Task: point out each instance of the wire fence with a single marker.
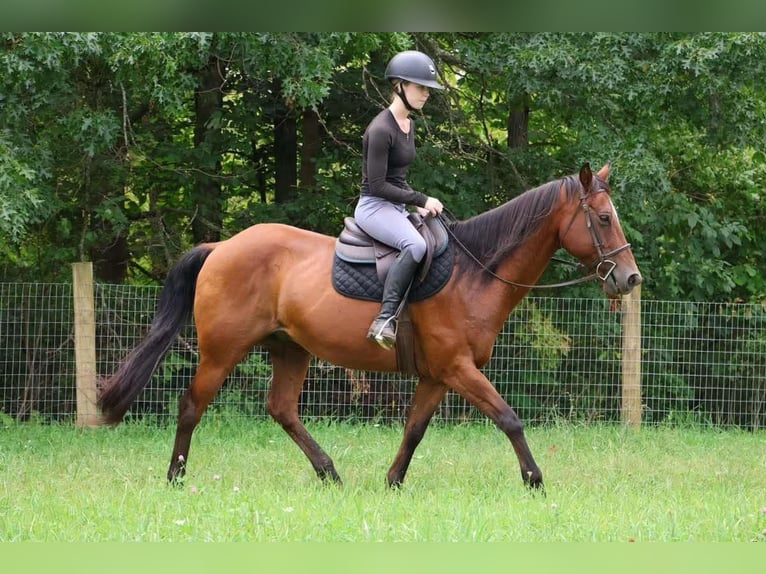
(556, 358)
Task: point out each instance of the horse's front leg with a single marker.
(427, 396)
(472, 385)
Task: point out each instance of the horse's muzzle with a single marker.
(621, 283)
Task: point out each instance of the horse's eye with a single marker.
(604, 218)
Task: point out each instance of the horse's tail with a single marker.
(173, 310)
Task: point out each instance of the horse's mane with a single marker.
(493, 235)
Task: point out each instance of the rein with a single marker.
(603, 258)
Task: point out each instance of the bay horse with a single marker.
(270, 285)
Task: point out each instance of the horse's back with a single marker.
(266, 243)
(278, 234)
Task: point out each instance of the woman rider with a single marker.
(388, 148)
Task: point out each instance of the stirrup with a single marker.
(377, 335)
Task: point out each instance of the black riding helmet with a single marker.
(413, 66)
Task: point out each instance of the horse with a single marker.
(270, 286)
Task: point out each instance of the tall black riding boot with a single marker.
(399, 278)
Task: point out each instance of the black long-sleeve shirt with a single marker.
(386, 154)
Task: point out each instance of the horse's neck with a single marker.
(488, 304)
(528, 261)
(523, 267)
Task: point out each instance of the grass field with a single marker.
(248, 481)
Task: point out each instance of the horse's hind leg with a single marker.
(427, 396)
(205, 384)
(290, 362)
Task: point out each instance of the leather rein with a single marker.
(602, 267)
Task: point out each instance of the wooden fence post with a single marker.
(85, 344)
(631, 358)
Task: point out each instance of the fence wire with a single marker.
(555, 358)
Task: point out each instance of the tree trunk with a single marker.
(111, 254)
(259, 160)
(207, 194)
(110, 261)
(285, 150)
(518, 123)
(312, 138)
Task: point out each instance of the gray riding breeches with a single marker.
(387, 222)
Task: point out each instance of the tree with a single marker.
(681, 116)
(127, 148)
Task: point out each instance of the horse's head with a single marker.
(592, 233)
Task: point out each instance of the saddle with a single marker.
(355, 246)
(361, 263)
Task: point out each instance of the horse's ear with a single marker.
(603, 173)
(586, 177)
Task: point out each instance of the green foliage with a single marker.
(106, 154)
(21, 202)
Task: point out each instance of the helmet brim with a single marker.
(420, 82)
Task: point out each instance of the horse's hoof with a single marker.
(533, 480)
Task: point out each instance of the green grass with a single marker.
(248, 481)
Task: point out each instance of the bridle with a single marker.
(601, 268)
(603, 257)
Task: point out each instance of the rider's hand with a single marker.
(422, 211)
(433, 206)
